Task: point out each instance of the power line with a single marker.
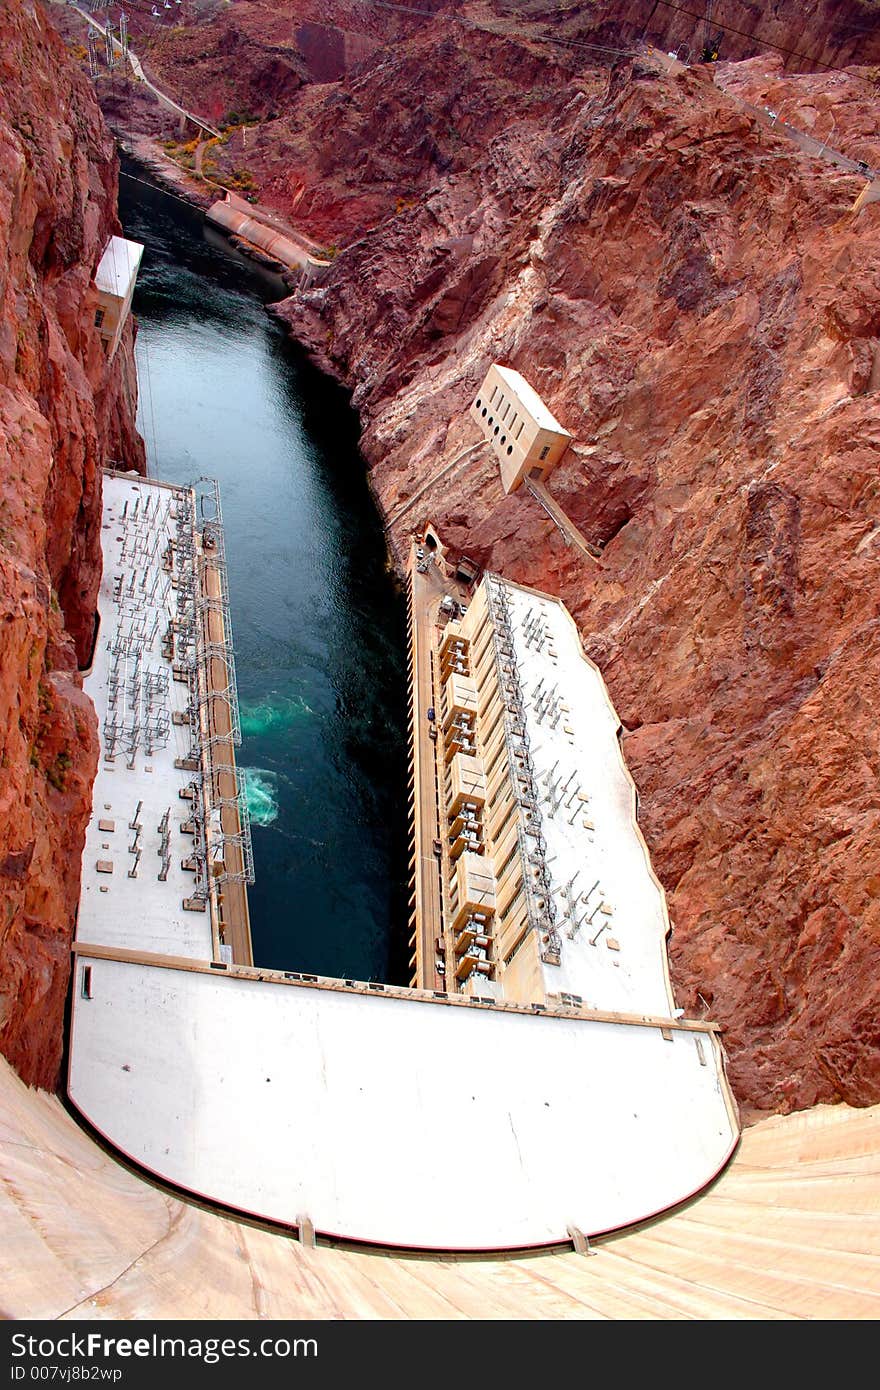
(404, 9)
(542, 37)
(762, 43)
(512, 34)
(708, 18)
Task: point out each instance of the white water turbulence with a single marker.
(261, 793)
(273, 714)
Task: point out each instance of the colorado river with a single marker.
(317, 624)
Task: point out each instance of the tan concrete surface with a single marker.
(236, 918)
(792, 1230)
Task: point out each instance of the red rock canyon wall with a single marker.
(63, 415)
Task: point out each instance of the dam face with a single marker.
(318, 625)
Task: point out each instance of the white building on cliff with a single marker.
(115, 280)
(527, 439)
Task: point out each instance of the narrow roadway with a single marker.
(138, 70)
(808, 143)
(223, 783)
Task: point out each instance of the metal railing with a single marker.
(540, 906)
(201, 550)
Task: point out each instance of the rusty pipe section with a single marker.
(266, 239)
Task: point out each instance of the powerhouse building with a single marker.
(548, 887)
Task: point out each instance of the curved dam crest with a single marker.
(343, 1107)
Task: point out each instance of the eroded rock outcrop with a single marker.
(359, 107)
(64, 414)
(697, 303)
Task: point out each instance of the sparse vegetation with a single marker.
(183, 153)
(56, 775)
(241, 179)
(235, 119)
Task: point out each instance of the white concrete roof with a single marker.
(118, 266)
(394, 1120)
(530, 400)
(143, 913)
(590, 822)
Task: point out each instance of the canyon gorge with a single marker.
(698, 302)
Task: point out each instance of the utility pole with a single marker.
(93, 52)
(108, 36)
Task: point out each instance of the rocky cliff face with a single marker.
(63, 414)
(697, 303)
(359, 108)
(807, 34)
